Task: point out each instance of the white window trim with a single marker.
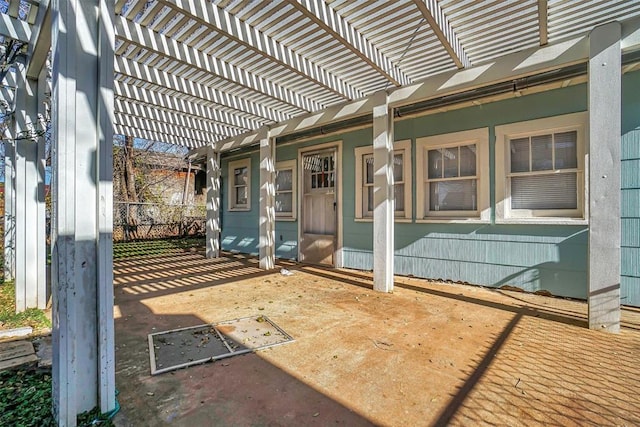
(399, 147)
(289, 164)
(568, 122)
(480, 137)
(231, 186)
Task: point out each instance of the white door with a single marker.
(319, 213)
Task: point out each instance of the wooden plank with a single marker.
(16, 353)
(10, 350)
(12, 363)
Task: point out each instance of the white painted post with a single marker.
(83, 344)
(605, 83)
(30, 280)
(213, 203)
(41, 256)
(9, 209)
(267, 201)
(9, 185)
(383, 198)
(104, 139)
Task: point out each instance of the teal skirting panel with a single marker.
(630, 294)
(630, 180)
(549, 258)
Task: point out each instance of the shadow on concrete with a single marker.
(242, 390)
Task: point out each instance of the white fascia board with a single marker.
(185, 54)
(333, 114)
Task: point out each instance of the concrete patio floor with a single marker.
(428, 354)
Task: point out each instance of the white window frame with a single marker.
(479, 137)
(237, 164)
(291, 165)
(399, 147)
(504, 134)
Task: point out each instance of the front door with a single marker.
(319, 214)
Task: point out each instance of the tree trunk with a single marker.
(130, 194)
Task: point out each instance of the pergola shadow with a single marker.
(533, 352)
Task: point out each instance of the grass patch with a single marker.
(9, 319)
(155, 247)
(25, 401)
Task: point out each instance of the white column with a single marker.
(30, 280)
(604, 177)
(83, 344)
(9, 208)
(383, 209)
(213, 203)
(44, 288)
(267, 201)
(7, 93)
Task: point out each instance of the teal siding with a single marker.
(240, 229)
(533, 257)
(630, 211)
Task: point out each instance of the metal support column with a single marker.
(267, 201)
(213, 203)
(383, 198)
(82, 282)
(605, 85)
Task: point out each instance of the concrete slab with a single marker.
(428, 354)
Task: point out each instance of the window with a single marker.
(540, 168)
(285, 204)
(452, 183)
(401, 180)
(240, 185)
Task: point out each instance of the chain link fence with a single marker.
(140, 221)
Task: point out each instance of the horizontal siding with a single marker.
(532, 257)
(630, 204)
(630, 291)
(630, 174)
(287, 239)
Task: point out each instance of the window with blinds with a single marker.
(540, 169)
(544, 171)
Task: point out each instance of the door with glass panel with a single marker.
(318, 216)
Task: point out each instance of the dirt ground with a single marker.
(427, 354)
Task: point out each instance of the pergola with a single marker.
(221, 75)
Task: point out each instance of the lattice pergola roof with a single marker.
(193, 72)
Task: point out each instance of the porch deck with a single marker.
(428, 354)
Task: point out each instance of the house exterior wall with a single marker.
(630, 215)
(534, 257)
